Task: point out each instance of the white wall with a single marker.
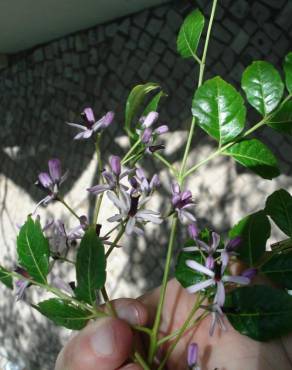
(26, 23)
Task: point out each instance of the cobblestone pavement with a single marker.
(44, 87)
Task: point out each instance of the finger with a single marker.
(130, 310)
(131, 367)
(104, 344)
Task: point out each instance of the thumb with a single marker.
(106, 343)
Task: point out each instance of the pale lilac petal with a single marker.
(115, 218)
(98, 189)
(21, 286)
(161, 130)
(145, 186)
(187, 216)
(186, 195)
(155, 182)
(204, 246)
(250, 273)
(115, 163)
(89, 115)
(192, 354)
(150, 119)
(148, 212)
(83, 135)
(45, 179)
(126, 201)
(60, 284)
(149, 217)
(190, 249)
(210, 262)
(140, 174)
(224, 260)
(80, 127)
(108, 119)
(146, 136)
(193, 231)
(130, 225)
(116, 201)
(55, 169)
(220, 294)
(242, 280)
(233, 244)
(175, 188)
(199, 286)
(109, 177)
(138, 231)
(198, 267)
(215, 241)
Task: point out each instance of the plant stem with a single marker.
(203, 61)
(140, 360)
(153, 338)
(115, 242)
(165, 162)
(99, 166)
(181, 331)
(200, 81)
(131, 150)
(107, 302)
(187, 149)
(68, 207)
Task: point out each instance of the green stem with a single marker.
(154, 334)
(140, 360)
(203, 61)
(131, 150)
(68, 207)
(115, 242)
(187, 149)
(107, 302)
(181, 331)
(112, 229)
(165, 162)
(99, 166)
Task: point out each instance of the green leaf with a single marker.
(219, 109)
(33, 250)
(134, 102)
(90, 267)
(63, 313)
(6, 278)
(254, 155)
(190, 34)
(263, 86)
(279, 208)
(288, 71)
(255, 230)
(279, 269)
(184, 274)
(260, 312)
(153, 104)
(282, 120)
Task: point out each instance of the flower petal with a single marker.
(220, 294)
(242, 280)
(199, 286)
(98, 189)
(190, 249)
(163, 129)
(45, 179)
(130, 225)
(89, 115)
(150, 119)
(198, 267)
(55, 169)
(80, 127)
(115, 218)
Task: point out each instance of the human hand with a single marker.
(107, 344)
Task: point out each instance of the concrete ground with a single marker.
(44, 87)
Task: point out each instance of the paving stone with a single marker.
(38, 55)
(240, 42)
(81, 43)
(260, 12)
(284, 18)
(239, 8)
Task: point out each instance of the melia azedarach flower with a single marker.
(90, 126)
(50, 181)
(217, 277)
(132, 212)
(182, 201)
(141, 184)
(112, 177)
(148, 135)
(192, 360)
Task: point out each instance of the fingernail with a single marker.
(103, 340)
(129, 313)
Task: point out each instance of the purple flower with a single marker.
(131, 211)
(250, 273)
(233, 244)
(50, 181)
(193, 356)
(216, 278)
(148, 135)
(112, 178)
(141, 184)
(60, 240)
(182, 201)
(217, 317)
(193, 231)
(21, 284)
(91, 126)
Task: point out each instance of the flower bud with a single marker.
(115, 163)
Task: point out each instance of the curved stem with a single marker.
(153, 338)
(99, 166)
(186, 153)
(115, 242)
(69, 208)
(131, 150)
